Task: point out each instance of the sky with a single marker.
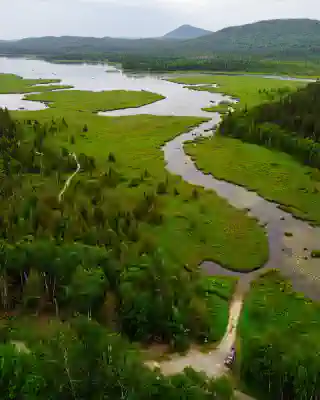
(139, 18)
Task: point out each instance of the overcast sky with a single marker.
(139, 18)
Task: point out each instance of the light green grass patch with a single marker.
(315, 254)
(273, 175)
(250, 90)
(10, 83)
(49, 88)
(221, 286)
(221, 108)
(77, 100)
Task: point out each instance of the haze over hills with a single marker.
(291, 36)
(187, 32)
(296, 38)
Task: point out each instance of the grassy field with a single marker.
(221, 286)
(195, 227)
(275, 176)
(221, 108)
(77, 100)
(273, 313)
(250, 90)
(10, 83)
(271, 304)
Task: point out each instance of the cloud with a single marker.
(139, 18)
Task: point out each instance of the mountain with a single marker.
(283, 38)
(186, 32)
(290, 37)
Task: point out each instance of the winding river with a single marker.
(289, 254)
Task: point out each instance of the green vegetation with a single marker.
(15, 84)
(315, 254)
(221, 108)
(286, 182)
(268, 361)
(250, 90)
(82, 360)
(77, 100)
(88, 253)
(71, 278)
(221, 63)
(291, 125)
(190, 229)
(99, 246)
(221, 286)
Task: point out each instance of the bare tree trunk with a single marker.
(4, 292)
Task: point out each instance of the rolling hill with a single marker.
(287, 38)
(186, 32)
(293, 37)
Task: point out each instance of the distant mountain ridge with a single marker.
(187, 32)
(289, 38)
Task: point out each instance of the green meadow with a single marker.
(274, 175)
(10, 84)
(278, 348)
(249, 90)
(86, 101)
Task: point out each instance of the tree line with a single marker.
(291, 124)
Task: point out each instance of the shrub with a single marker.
(176, 192)
(162, 188)
(195, 194)
(111, 158)
(315, 254)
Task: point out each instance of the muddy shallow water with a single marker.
(290, 254)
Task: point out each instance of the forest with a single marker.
(84, 286)
(290, 124)
(82, 360)
(219, 63)
(51, 246)
(63, 255)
